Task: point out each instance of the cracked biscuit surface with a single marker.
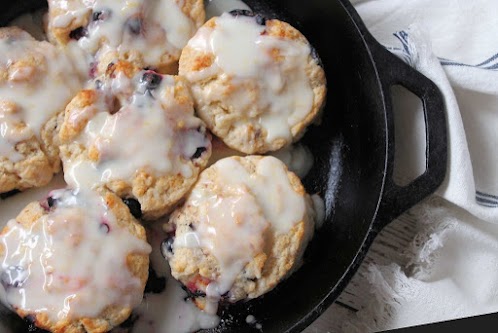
(256, 83)
(148, 33)
(36, 83)
(242, 230)
(136, 135)
(74, 262)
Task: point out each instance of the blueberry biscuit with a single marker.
(148, 33)
(135, 134)
(256, 83)
(242, 229)
(36, 83)
(77, 261)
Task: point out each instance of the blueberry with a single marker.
(242, 12)
(6, 195)
(13, 276)
(167, 246)
(155, 284)
(98, 84)
(260, 19)
(134, 25)
(48, 203)
(134, 207)
(92, 71)
(151, 80)
(101, 15)
(193, 294)
(30, 319)
(78, 33)
(198, 152)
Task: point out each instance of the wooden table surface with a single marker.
(387, 248)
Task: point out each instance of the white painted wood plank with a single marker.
(388, 247)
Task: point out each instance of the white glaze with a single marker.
(36, 94)
(319, 208)
(297, 157)
(166, 28)
(167, 128)
(270, 185)
(178, 27)
(235, 210)
(168, 311)
(165, 312)
(231, 227)
(251, 320)
(243, 56)
(217, 7)
(73, 268)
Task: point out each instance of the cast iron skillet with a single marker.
(354, 157)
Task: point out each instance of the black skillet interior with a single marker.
(353, 151)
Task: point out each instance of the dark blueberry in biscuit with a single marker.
(98, 84)
(134, 25)
(6, 195)
(260, 19)
(134, 207)
(101, 15)
(198, 152)
(151, 80)
(155, 284)
(13, 276)
(242, 12)
(193, 294)
(78, 33)
(92, 71)
(167, 246)
(48, 203)
(31, 321)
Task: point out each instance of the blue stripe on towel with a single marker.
(489, 64)
(482, 194)
(486, 200)
(485, 62)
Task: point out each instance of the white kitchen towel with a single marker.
(453, 269)
(453, 42)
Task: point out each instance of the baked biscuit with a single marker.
(148, 33)
(256, 83)
(36, 83)
(297, 157)
(135, 134)
(77, 261)
(242, 229)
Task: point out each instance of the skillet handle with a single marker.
(397, 199)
